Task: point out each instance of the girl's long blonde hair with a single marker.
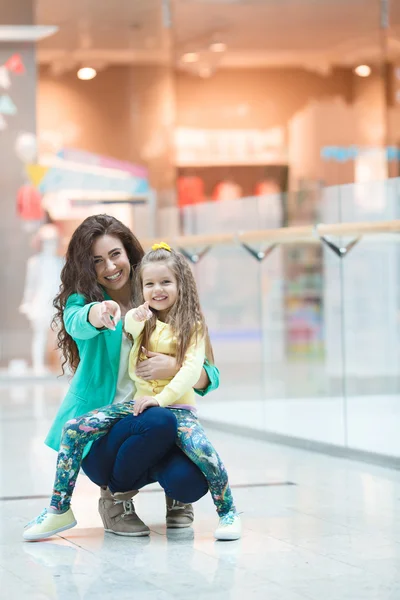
(185, 317)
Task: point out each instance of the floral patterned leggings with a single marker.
(191, 438)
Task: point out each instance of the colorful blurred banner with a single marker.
(62, 179)
(68, 175)
(87, 158)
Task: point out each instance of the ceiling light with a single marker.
(218, 47)
(190, 57)
(363, 70)
(86, 73)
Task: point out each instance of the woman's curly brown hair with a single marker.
(185, 317)
(79, 275)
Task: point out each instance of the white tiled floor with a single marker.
(335, 535)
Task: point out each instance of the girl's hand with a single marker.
(142, 313)
(110, 314)
(142, 403)
(158, 366)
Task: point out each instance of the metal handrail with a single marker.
(283, 235)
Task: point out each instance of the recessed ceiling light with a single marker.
(218, 47)
(86, 73)
(363, 70)
(190, 57)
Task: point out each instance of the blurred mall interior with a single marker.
(260, 138)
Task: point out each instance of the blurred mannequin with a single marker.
(227, 190)
(41, 286)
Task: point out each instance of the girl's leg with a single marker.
(192, 439)
(76, 434)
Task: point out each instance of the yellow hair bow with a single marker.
(161, 246)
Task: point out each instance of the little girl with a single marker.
(168, 320)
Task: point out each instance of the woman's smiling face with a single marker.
(111, 262)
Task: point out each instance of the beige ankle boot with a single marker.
(178, 514)
(118, 514)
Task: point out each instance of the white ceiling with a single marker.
(315, 34)
(103, 31)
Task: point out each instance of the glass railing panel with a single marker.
(371, 326)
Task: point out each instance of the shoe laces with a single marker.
(175, 505)
(38, 519)
(228, 519)
(128, 507)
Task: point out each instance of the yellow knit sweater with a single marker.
(179, 389)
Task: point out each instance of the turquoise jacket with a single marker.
(95, 381)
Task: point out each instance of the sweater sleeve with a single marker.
(187, 376)
(76, 318)
(213, 375)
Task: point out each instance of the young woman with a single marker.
(99, 267)
(169, 318)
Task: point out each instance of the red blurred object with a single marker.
(29, 204)
(266, 187)
(190, 190)
(15, 64)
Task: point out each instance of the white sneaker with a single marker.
(48, 524)
(229, 527)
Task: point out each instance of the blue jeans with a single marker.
(142, 450)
